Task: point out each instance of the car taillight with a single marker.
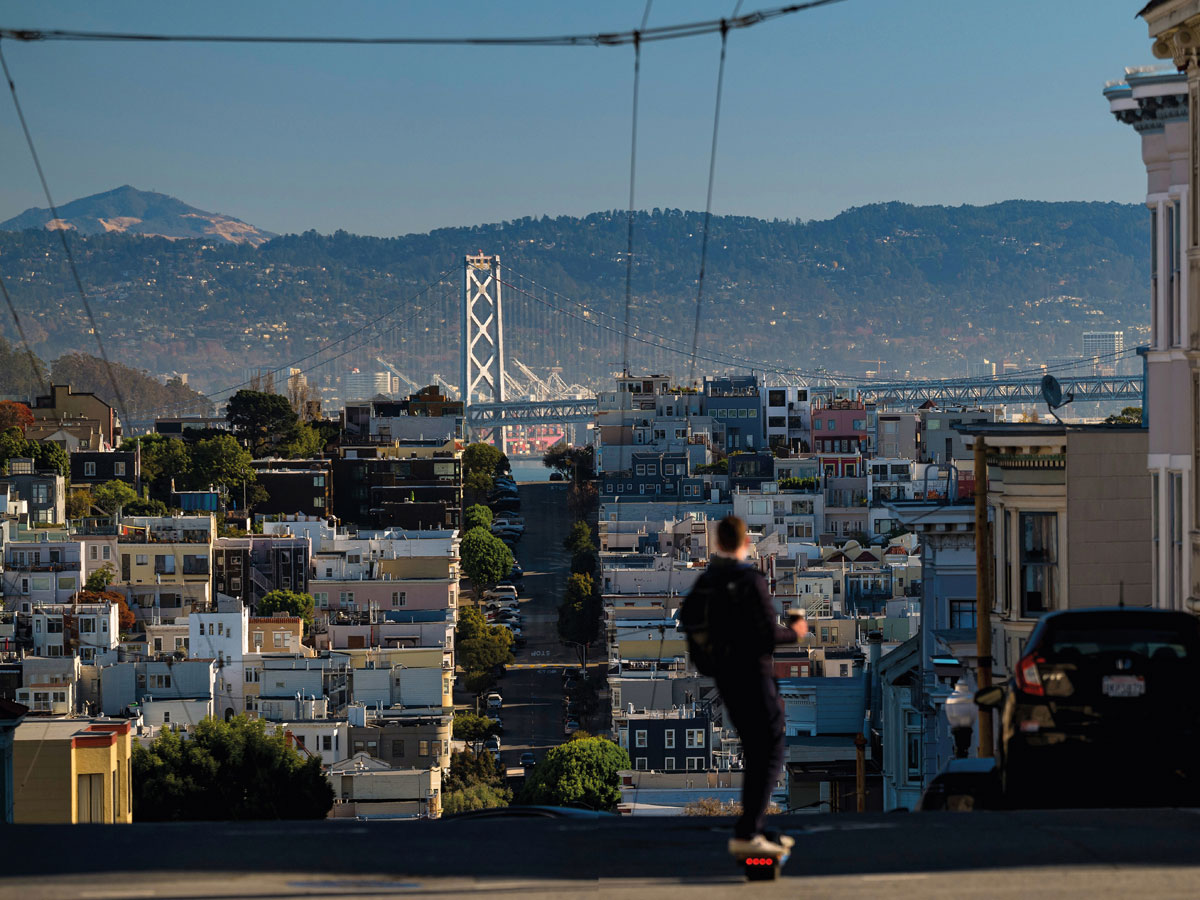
(1029, 680)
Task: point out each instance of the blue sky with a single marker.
(925, 101)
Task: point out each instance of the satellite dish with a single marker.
(1053, 395)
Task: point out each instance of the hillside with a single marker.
(128, 210)
(888, 287)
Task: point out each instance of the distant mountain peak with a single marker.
(127, 209)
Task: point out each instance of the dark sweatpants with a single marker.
(753, 704)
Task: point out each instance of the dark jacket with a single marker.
(751, 623)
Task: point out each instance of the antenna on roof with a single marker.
(1053, 395)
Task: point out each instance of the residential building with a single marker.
(368, 788)
(294, 486)
(92, 467)
(90, 631)
(406, 486)
(667, 740)
(166, 564)
(788, 418)
(842, 426)
(43, 490)
(41, 572)
(74, 420)
(939, 440)
(402, 741)
(1162, 110)
(428, 415)
(734, 402)
(896, 434)
(75, 771)
(252, 566)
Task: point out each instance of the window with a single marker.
(816, 424)
(327, 743)
(278, 636)
(54, 626)
(640, 469)
(694, 763)
(160, 681)
(695, 737)
(397, 748)
(119, 468)
(1175, 486)
(669, 738)
(95, 551)
(164, 564)
(89, 469)
(640, 763)
(669, 764)
(912, 746)
(87, 626)
(639, 738)
(422, 748)
(399, 598)
(1039, 562)
(141, 559)
(830, 424)
(668, 468)
(106, 552)
(41, 494)
(252, 676)
(962, 613)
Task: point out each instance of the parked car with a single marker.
(528, 760)
(500, 592)
(557, 476)
(571, 726)
(1099, 711)
(495, 719)
(490, 609)
(493, 744)
(494, 700)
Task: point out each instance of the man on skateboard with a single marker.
(741, 633)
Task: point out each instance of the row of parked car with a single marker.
(505, 503)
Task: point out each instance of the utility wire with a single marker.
(600, 39)
(637, 77)
(34, 368)
(62, 233)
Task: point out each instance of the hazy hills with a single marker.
(888, 287)
(126, 209)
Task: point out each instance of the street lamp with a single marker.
(960, 713)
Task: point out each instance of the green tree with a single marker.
(578, 773)
(293, 603)
(79, 503)
(579, 613)
(575, 463)
(579, 538)
(472, 728)
(304, 442)
(481, 463)
(113, 496)
(477, 516)
(101, 578)
(163, 459)
(480, 647)
(142, 507)
(477, 796)
(485, 559)
(221, 461)
(1130, 415)
(474, 781)
(267, 421)
(50, 457)
(227, 771)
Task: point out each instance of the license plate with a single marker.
(1123, 685)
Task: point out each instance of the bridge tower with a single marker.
(482, 375)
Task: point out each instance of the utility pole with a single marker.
(860, 773)
(983, 595)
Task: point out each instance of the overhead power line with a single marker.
(599, 39)
(62, 233)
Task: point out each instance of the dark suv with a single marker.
(1103, 710)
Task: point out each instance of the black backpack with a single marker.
(708, 619)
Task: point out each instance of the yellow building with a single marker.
(166, 562)
(69, 771)
(277, 634)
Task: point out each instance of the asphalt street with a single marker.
(1099, 854)
(532, 712)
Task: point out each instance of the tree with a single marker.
(472, 728)
(578, 773)
(293, 603)
(101, 578)
(163, 459)
(304, 442)
(50, 457)
(140, 507)
(227, 771)
(579, 538)
(485, 559)
(474, 781)
(480, 647)
(579, 613)
(15, 415)
(1130, 415)
(481, 463)
(220, 461)
(577, 463)
(477, 516)
(265, 420)
(79, 503)
(112, 496)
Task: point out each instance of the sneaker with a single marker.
(758, 845)
(786, 841)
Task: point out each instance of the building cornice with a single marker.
(1179, 43)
